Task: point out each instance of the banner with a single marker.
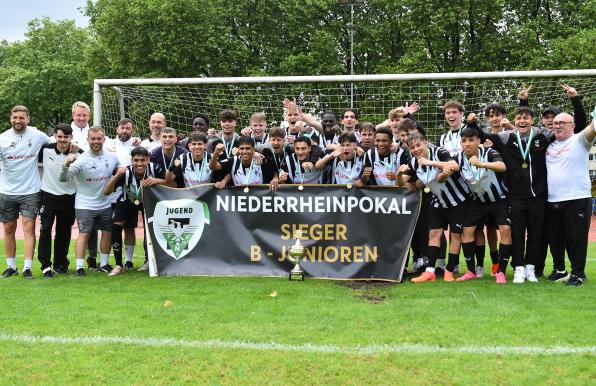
(348, 233)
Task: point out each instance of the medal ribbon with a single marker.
(202, 167)
(524, 152)
(137, 188)
(429, 168)
(298, 171)
(247, 180)
(227, 147)
(450, 136)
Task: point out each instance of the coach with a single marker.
(568, 211)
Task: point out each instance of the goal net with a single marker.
(371, 95)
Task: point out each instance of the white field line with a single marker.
(301, 348)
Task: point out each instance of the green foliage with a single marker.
(209, 38)
(46, 72)
(266, 37)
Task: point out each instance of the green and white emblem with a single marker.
(178, 225)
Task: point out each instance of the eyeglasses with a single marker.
(561, 123)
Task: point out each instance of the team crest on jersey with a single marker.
(178, 225)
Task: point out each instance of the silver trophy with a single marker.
(295, 254)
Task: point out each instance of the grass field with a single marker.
(116, 330)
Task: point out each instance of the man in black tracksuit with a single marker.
(57, 204)
(548, 115)
(523, 151)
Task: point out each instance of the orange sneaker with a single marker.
(448, 276)
(495, 269)
(425, 276)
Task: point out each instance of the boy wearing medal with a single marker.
(141, 174)
(347, 165)
(243, 169)
(439, 172)
(380, 162)
(298, 167)
(192, 167)
(523, 151)
(168, 152)
(482, 169)
(451, 140)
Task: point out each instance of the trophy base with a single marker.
(296, 276)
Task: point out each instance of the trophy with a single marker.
(295, 254)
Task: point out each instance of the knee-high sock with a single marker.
(117, 243)
(469, 250)
(504, 254)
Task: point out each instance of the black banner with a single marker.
(348, 233)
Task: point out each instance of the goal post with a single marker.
(180, 99)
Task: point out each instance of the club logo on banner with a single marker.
(179, 225)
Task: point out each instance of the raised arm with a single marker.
(579, 114)
(329, 157)
(111, 185)
(590, 130)
(214, 163)
(68, 172)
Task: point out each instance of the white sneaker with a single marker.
(519, 276)
(479, 271)
(117, 270)
(530, 274)
(145, 267)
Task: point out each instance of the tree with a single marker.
(46, 72)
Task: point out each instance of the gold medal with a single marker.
(427, 190)
(349, 186)
(246, 190)
(300, 187)
(525, 165)
(137, 202)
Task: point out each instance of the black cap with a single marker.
(551, 109)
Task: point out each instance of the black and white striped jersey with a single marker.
(131, 184)
(248, 175)
(382, 165)
(261, 141)
(447, 194)
(298, 175)
(485, 185)
(347, 172)
(195, 173)
(451, 141)
(328, 141)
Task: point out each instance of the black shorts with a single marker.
(491, 222)
(489, 213)
(127, 212)
(440, 218)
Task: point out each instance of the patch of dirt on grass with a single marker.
(371, 291)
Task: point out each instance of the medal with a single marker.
(247, 179)
(524, 152)
(349, 186)
(137, 187)
(300, 187)
(426, 189)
